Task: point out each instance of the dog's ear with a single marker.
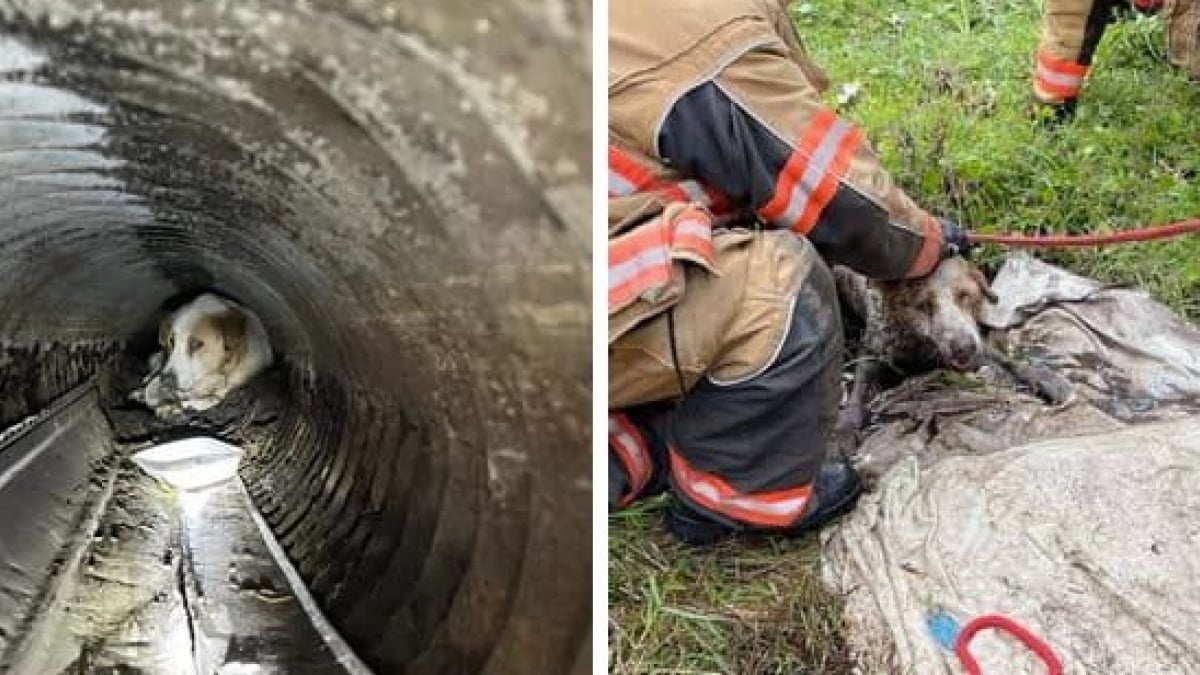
(232, 326)
(984, 286)
(164, 331)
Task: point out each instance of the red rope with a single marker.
(1066, 240)
(963, 643)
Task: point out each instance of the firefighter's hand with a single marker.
(955, 240)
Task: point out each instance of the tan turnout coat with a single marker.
(731, 284)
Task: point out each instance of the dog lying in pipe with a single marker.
(210, 347)
(913, 326)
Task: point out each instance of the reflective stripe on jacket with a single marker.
(714, 103)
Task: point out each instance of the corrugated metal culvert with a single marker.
(400, 191)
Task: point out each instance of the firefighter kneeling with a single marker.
(731, 190)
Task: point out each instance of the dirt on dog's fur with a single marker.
(247, 413)
(910, 327)
(921, 323)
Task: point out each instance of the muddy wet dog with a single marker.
(913, 326)
(210, 347)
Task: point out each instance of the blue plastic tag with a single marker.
(944, 629)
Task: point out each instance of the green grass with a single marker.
(945, 101)
(741, 607)
(945, 88)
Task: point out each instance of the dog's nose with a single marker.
(960, 353)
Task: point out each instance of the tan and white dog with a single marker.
(210, 347)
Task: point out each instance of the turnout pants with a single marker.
(1072, 30)
(1182, 19)
(757, 350)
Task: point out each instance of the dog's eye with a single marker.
(194, 345)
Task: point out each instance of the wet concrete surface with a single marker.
(166, 581)
(55, 471)
(400, 191)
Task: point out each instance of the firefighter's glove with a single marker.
(954, 239)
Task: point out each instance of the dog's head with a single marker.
(943, 309)
(203, 343)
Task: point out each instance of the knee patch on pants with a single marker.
(745, 451)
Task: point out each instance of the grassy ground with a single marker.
(736, 608)
(943, 94)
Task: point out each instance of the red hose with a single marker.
(1066, 240)
(963, 643)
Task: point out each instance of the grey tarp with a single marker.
(1082, 522)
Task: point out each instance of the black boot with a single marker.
(837, 488)
(694, 528)
(1051, 115)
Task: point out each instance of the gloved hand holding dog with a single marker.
(956, 240)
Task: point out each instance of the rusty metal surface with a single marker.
(400, 191)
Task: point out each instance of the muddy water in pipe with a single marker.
(401, 194)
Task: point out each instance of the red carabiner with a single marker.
(963, 643)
